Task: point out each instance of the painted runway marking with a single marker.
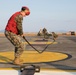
(40, 42)
(42, 72)
(33, 56)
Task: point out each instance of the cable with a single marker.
(35, 48)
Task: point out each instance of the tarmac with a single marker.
(65, 45)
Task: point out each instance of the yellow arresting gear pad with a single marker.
(33, 56)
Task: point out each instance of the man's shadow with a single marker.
(7, 61)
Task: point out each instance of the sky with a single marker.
(54, 15)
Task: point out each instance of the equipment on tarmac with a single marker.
(35, 48)
(29, 70)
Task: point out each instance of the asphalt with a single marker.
(65, 44)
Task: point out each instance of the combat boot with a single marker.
(17, 61)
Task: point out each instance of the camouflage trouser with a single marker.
(16, 41)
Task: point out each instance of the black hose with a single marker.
(30, 44)
(35, 48)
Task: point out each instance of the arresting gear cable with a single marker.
(35, 48)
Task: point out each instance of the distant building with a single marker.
(71, 33)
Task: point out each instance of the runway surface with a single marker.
(65, 46)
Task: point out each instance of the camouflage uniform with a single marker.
(54, 35)
(45, 32)
(15, 39)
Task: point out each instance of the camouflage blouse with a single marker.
(19, 19)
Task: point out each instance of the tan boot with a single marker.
(21, 60)
(17, 61)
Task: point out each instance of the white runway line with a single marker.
(55, 73)
(16, 72)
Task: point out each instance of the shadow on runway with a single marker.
(3, 58)
(61, 67)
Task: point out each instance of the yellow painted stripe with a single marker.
(41, 42)
(9, 68)
(33, 56)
